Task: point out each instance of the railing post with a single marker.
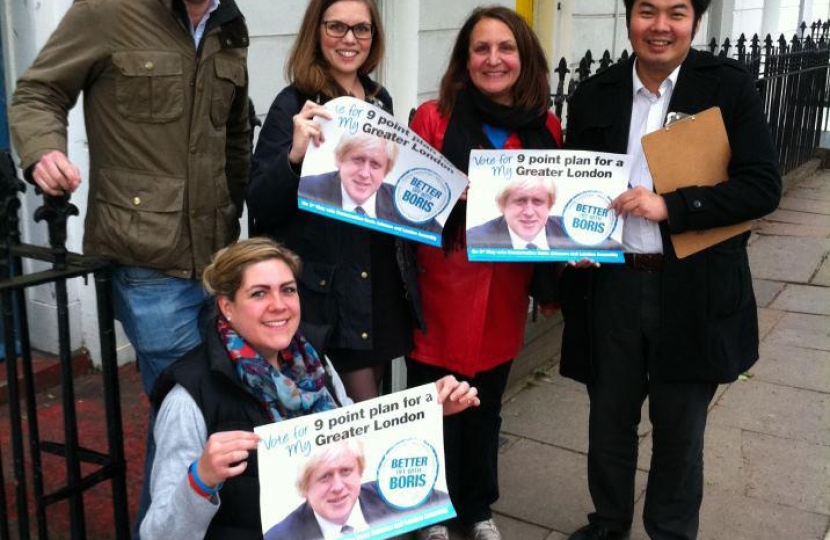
(56, 211)
(10, 186)
(559, 97)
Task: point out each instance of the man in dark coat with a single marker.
(658, 326)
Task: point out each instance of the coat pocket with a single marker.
(729, 280)
(316, 280)
(227, 226)
(149, 86)
(230, 76)
(140, 214)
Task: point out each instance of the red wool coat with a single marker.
(475, 312)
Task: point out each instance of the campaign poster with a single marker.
(368, 471)
(545, 205)
(375, 172)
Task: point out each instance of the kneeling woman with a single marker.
(254, 368)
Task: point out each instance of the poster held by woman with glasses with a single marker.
(494, 95)
(359, 287)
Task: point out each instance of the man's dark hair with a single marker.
(698, 6)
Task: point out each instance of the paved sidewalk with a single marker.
(768, 441)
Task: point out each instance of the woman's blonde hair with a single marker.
(224, 275)
(306, 67)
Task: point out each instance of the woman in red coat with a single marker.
(494, 95)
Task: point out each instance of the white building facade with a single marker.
(420, 34)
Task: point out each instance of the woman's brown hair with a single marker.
(532, 89)
(308, 70)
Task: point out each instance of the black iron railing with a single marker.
(27, 446)
(792, 79)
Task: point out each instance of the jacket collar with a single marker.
(226, 12)
(616, 87)
(696, 84)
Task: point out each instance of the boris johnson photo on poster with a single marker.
(372, 171)
(368, 471)
(545, 205)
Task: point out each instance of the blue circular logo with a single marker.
(407, 473)
(420, 195)
(587, 218)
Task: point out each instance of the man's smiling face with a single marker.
(661, 34)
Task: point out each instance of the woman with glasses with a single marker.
(359, 287)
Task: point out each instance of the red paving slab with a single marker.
(92, 433)
(47, 371)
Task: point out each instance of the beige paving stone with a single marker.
(822, 277)
(783, 215)
(816, 193)
(800, 330)
(551, 414)
(776, 410)
(723, 463)
(514, 529)
(545, 486)
(766, 291)
(819, 179)
(557, 379)
(767, 319)
(725, 515)
(804, 299)
(788, 259)
(793, 366)
(805, 205)
(787, 472)
(801, 321)
(769, 228)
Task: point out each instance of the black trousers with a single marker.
(626, 326)
(471, 440)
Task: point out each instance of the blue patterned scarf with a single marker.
(297, 388)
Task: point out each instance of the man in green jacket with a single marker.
(166, 110)
(165, 104)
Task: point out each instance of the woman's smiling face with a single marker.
(493, 62)
(345, 55)
(265, 311)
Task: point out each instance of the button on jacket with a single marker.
(169, 138)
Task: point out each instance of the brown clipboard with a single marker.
(693, 151)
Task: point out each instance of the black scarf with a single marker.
(465, 132)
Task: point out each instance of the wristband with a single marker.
(199, 486)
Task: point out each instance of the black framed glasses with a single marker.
(338, 29)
